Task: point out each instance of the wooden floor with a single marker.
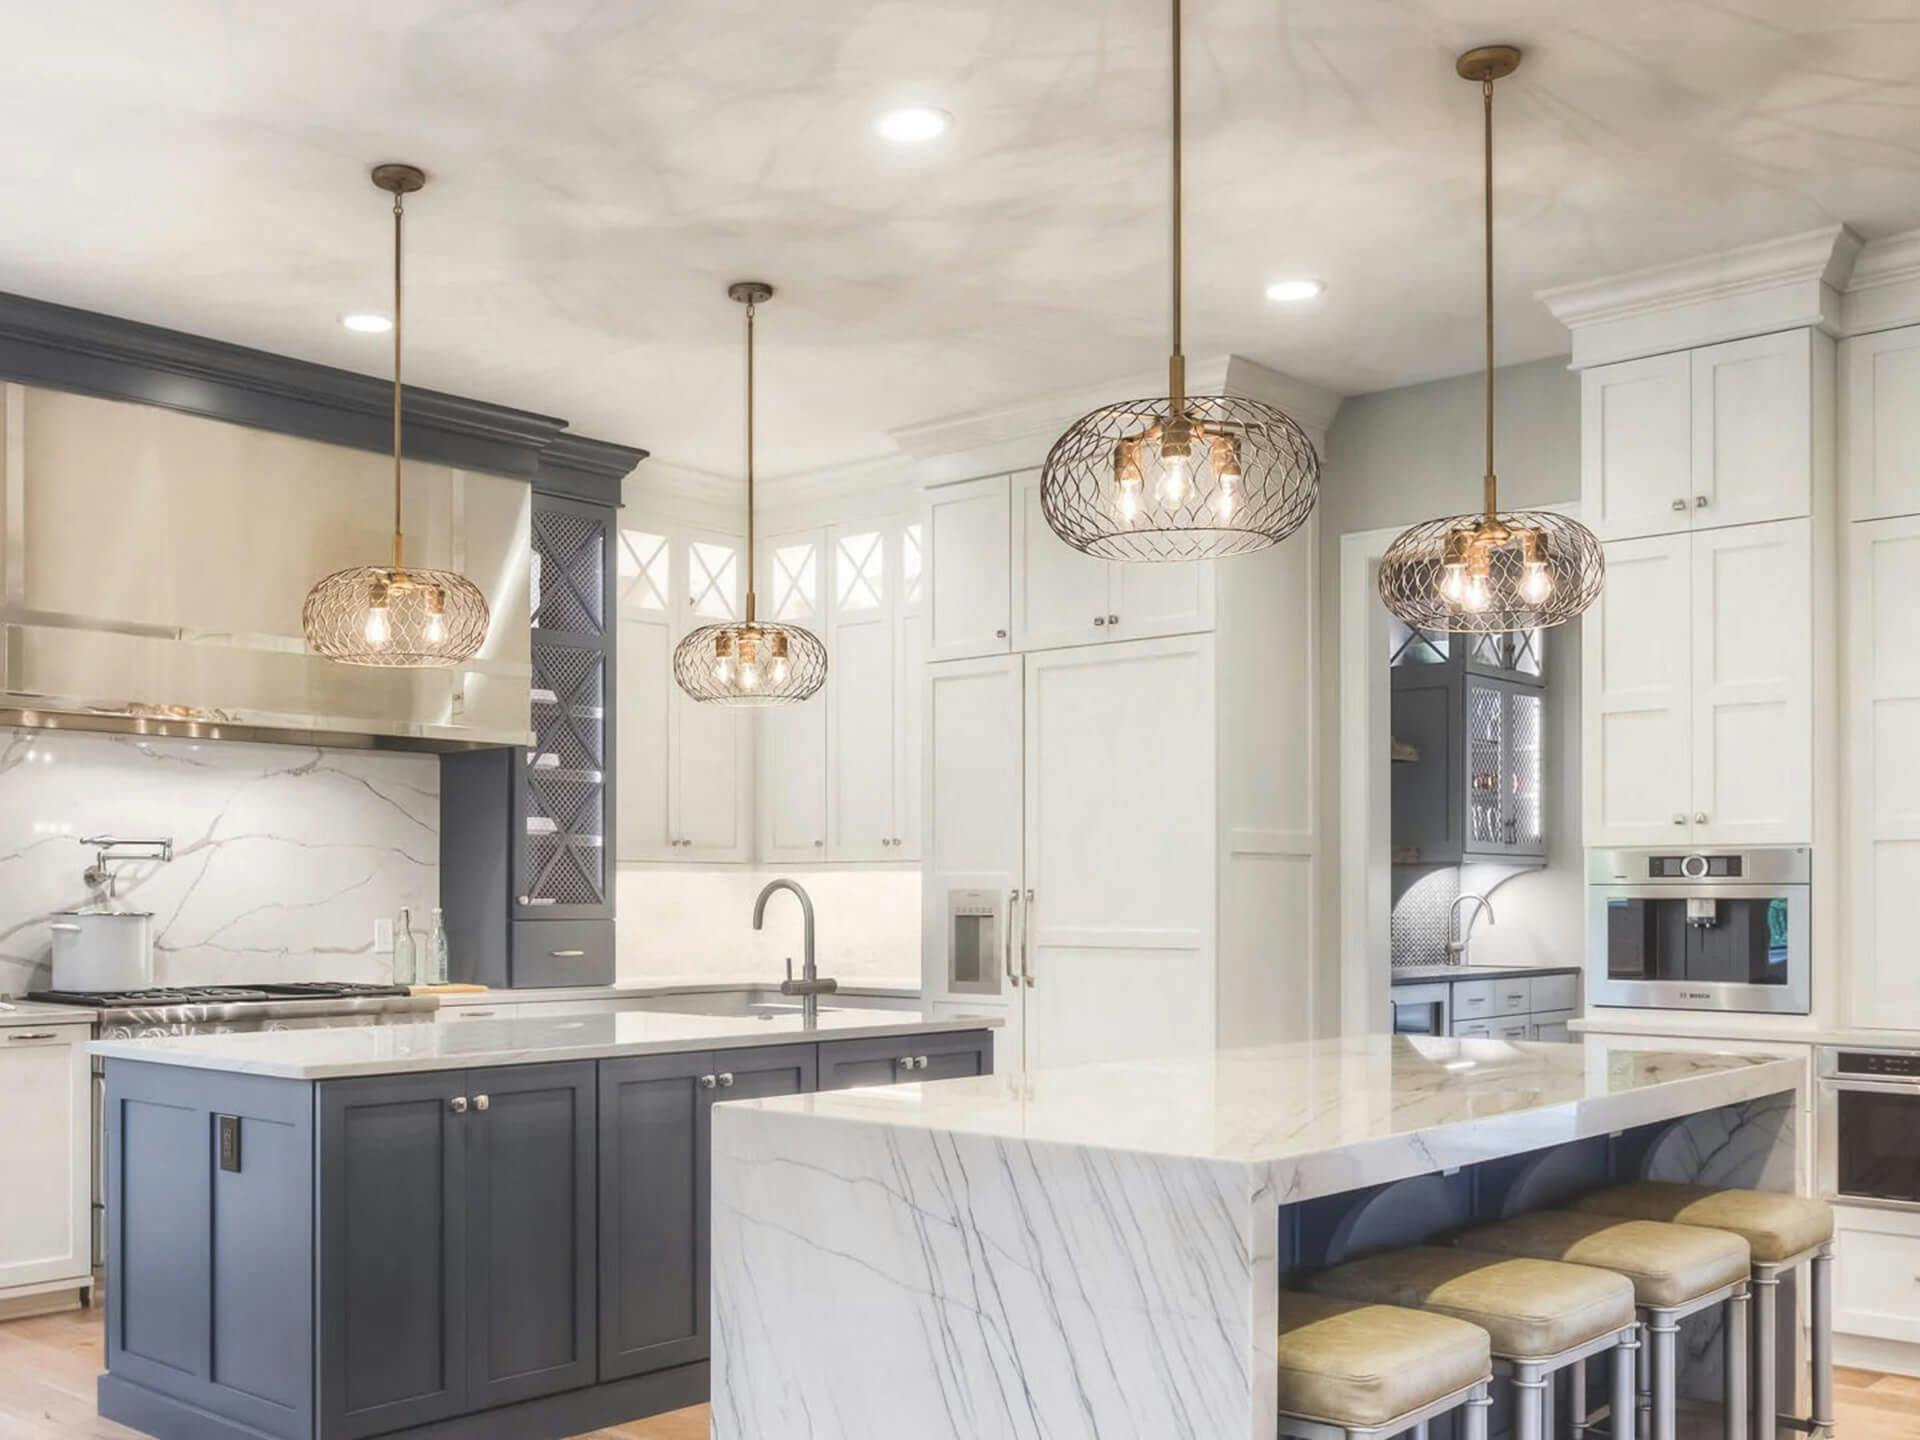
(48, 1364)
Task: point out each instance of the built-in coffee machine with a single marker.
(1675, 929)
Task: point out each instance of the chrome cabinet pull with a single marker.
(922, 1062)
(1026, 936)
(30, 1035)
(566, 954)
(707, 1082)
(726, 1079)
(482, 1102)
(819, 844)
(1013, 911)
(1113, 619)
(905, 1062)
(458, 1104)
(537, 900)
(1100, 620)
(1678, 818)
(1680, 504)
(1700, 502)
(1699, 817)
(999, 634)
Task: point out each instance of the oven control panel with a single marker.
(1694, 867)
(1894, 1065)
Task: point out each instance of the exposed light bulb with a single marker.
(1478, 597)
(1536, 585)
(378, 630)
(723, 669)
(437, 617)
(1128, 503)
(1453, 584)
(1176, 475)
(749, 676)
(782, 670)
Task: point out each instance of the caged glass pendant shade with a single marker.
(750, 662)
(1187, 477)
(393, 616)
(1495, 571)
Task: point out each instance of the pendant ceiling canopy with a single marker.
(1181, 477)
(1495, 570)
(396, 616)
(750, 661)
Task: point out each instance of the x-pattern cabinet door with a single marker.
(862, 681)
(645, 635)
(792, 773)
(712, 784)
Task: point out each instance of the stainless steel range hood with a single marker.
(155, 562)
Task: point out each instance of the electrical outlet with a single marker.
(383, 936)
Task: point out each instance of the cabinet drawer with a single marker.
(1472, 1030)
(1556, 992)
(1513, 1030)
(1473, 1000)
(1877, 1283)
(562, 952)
(1551, 1025)
(1512, 997)
(892, 1059)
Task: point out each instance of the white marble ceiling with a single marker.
(602, 167)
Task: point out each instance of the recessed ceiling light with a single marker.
(367, 323)
(912, 125)
(1292, 292)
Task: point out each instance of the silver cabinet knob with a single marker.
(726, 1080)
(905, 1062)
(1099, 620)
(1113, 619)
(819, 844)
(481, 1102)
(1700, 502)
(1679, 818)
(1699, 817)
(707, 1082)
(999, 634)
(921, 1061)
(458, 1104)
(1680, 504)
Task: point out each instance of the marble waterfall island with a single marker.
(1096, 1251)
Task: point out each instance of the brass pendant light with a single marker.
(751, 661)
(1493, 571)
(394, 616)
(1185, 477)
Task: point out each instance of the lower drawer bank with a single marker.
(518, 1251)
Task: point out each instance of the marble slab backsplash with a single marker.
(283, 856)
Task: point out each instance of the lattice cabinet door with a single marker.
(1523, 781)
(564, 851)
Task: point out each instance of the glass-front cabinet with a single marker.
(1469, 730)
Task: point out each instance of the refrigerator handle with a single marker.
(1026, 941)
(1013, 911)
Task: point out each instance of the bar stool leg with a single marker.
(1420, 1431)
(1736, 1366)
(1665, 1331)
(1822, 1276)
(1478, 1404)
(1529, 1403)
(1577, 1399)
(1643, 1382)
(1624, 1383)
(1766, 1318)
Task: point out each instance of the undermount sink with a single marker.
(766, 1003)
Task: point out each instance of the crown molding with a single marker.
(1775, 285)
(1884, 289)
(1017, 437)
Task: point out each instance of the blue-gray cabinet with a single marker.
(655, 1132)
(896, 1060)
(457, 1245)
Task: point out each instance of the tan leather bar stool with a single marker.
(1540, 1316)
(1783, 1232)
(1676, 1270)
(1363, 1372)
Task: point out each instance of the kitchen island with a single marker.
(495, 1228)
(1097, 1251)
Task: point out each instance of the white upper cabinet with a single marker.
(1753, 685)
(861, 699)
(712, 745)
(1160, 599)
(1698, 439)
(1753, 418)
(1636, 447)
(1883, 865)
(1697, 684)
(646, 634)
(968, 530)
(1060, 597)
(1636, 679)
(1881, 434)
(792, 773)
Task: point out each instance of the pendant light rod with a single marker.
(752, 294)
(399, 181)
(1177, 362)
(1487, 64)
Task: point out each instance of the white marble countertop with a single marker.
(1733, 1030)
(38, 1012)
(890, 987)
(1427, 974)
(1383, 1106)
(333, 1053)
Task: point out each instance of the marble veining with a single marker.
(462, 1044)
(283, 856)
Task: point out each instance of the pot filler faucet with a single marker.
(1457, 948)
(809, 987)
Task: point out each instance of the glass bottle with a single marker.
(437, 950)
(403, 950)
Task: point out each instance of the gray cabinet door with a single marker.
(653, 1212)
(845, 1064)
(531, 1235)
(393, 1254)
